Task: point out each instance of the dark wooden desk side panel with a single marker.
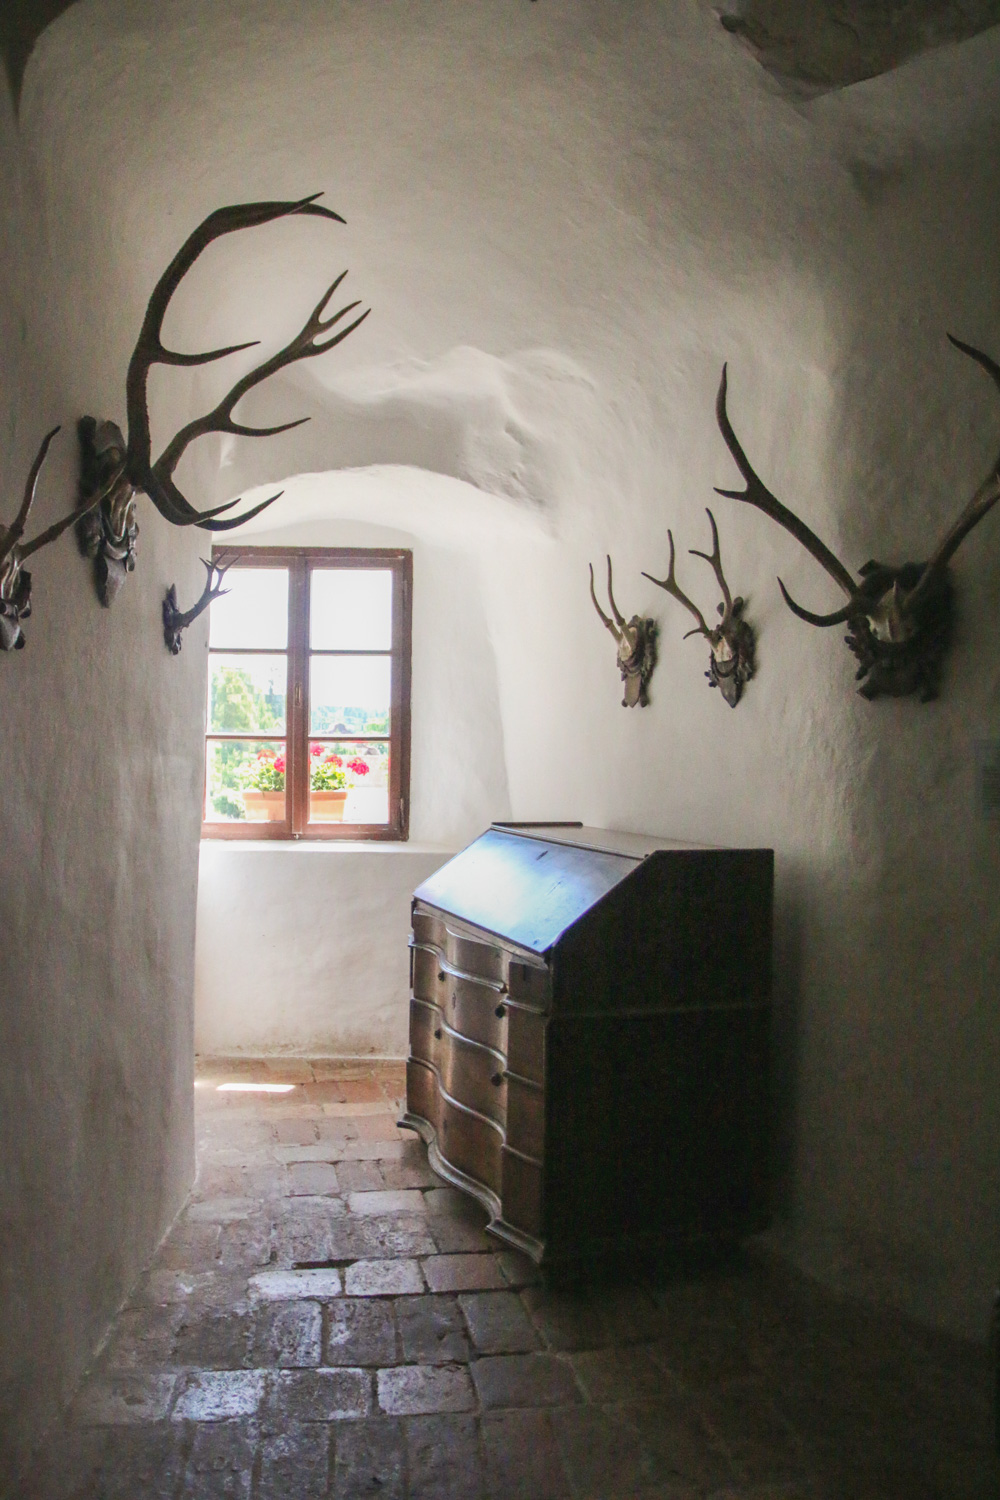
(685, 928)
(656, 1130)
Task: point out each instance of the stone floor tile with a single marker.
(364, 1177)
(292, 1286)
(411, 1202)
(381, 1127)
(190, 1247)
(211, 1338)
(431, 1330)
(408, 1174)
(369, 1459)
(312, 1178)
(319, 1395)
(221, 1462)
(600, 1452)
(123, 1399)
(412, 1390)
(462, 1273)
(220, 1210)
(566, 1320)
(245, 1245)
(620, 1374)
(362, 1090)
(383, 1278)
(381, 1237)
(214, 1395)
(295, 1464)
(518, 1270)
(287, 1070)
(382, 1107)
(676, 1445)
(498, 1323)
(338, 1149)
(142, 1339)
(457, 1236)
(146, 1461)
(522, 1457)
(294, 1132)
(504, 1380)
(288, 1335)
(443, 1459)
(705, 1356)
(360, 1331)
(746, 1423)
(321, 1151)
(218, 1180)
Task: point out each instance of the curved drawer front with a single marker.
(522, 1193)
(485, 960)
(473, 1075)
(471, 1144)
(474, 1007)
(525, 1121)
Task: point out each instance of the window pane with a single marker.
(247, 692)
(254, 612)
(349, 694)
(348, 783)
(245, 781)
(350, 609)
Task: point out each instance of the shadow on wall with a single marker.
(510, 427)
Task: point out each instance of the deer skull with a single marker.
(636, 641)
(732, 642)
(900, 618)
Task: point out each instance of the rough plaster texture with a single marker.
(341, 987)
(99, 743)
(565, 217)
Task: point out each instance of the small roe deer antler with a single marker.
(174, 622)
(900, 617)
(636, 640)
(732, 641)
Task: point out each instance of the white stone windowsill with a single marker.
(325, 846)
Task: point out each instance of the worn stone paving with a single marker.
(326, 1319)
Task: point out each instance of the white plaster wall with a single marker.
(341, 987)
(100, 757)
(565, 216)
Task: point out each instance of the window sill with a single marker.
(326, 846)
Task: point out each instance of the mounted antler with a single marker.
(174, 622)
(900, 618)
(125, 468)
(15, 580)
(636, 641)
(732, 642)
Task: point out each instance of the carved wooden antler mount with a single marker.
(174, 621)
(125, 467)
(900, 618)
(732, 642)
(636, 641)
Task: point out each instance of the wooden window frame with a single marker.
(301, 562)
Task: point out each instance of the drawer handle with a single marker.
(438, 1034)
(442, 976)
(500, 1012)
(497, 1079)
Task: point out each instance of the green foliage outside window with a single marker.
(238, 704)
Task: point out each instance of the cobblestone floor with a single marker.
(327, 1319)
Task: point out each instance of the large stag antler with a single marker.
(732, 641)
(900, 617)
(125, 468)
(636, 640)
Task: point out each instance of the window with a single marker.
(309, 695)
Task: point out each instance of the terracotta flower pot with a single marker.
(327, 806)
(264, 807)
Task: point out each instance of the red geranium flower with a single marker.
(315, 749)
(279, 764)
(334, 760)
(359, 767)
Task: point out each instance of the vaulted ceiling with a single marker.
(810, 46)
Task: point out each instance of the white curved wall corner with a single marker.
(617, 187)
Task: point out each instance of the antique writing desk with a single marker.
(589, 1022)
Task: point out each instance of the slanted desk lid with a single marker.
(526, 889)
